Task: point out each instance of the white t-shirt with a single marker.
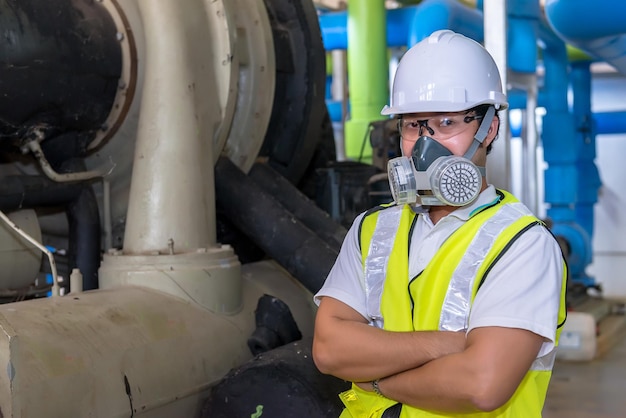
(522, 290)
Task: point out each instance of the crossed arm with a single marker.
(436, 370)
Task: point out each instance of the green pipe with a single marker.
(575, 54)
(368, 74)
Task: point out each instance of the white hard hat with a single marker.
(446, 72)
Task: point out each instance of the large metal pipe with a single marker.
(367, 74)
(60, 62)
(172, 182)
(291, 374)
(33, 191)
(603, 33)
(17, 192)
(273, 228)
(170, 236)
(299, 204)
(84, 237)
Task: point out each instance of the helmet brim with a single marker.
(428, 107)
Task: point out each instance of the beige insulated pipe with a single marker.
(186, 110)
(172, 207)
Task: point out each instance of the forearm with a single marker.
(448, 384)
(481, 378)
(356, 351)
(363, 353)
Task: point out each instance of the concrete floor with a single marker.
(595, 389)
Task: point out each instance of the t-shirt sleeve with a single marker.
(523, 289)
(346, 278)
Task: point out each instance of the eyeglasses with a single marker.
(442, 126)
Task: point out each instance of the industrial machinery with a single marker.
(123, 123)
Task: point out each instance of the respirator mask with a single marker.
(453, 180)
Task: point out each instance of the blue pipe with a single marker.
(433, 15)
(579, 256)
(399, 22)
(610, 122)
(517, 98)
(562, 151)
(599, 29)
(334, 27)
(605, 123)
(588, 177)
(582, 20)
(408, 25)
(523, 17)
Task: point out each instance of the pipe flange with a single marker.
(127, 84)
(257, 81)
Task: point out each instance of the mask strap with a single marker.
(482, 132)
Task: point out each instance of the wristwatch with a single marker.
(375, 387)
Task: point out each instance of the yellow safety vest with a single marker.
(451, 279)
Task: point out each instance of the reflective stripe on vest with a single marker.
(456, 305)
(375, 265)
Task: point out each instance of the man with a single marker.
(451, 300)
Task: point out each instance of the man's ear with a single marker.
(492, 133)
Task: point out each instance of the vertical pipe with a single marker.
(172, 186)
(529, 146)
(532, 141)
(523, 17)
(84, 237)
(558, 134)
(367, 73)
(340, 94)
(589, 179)
(521, 56)
(495, 26)
(561, 153)
(106, 214)
(170, 238)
